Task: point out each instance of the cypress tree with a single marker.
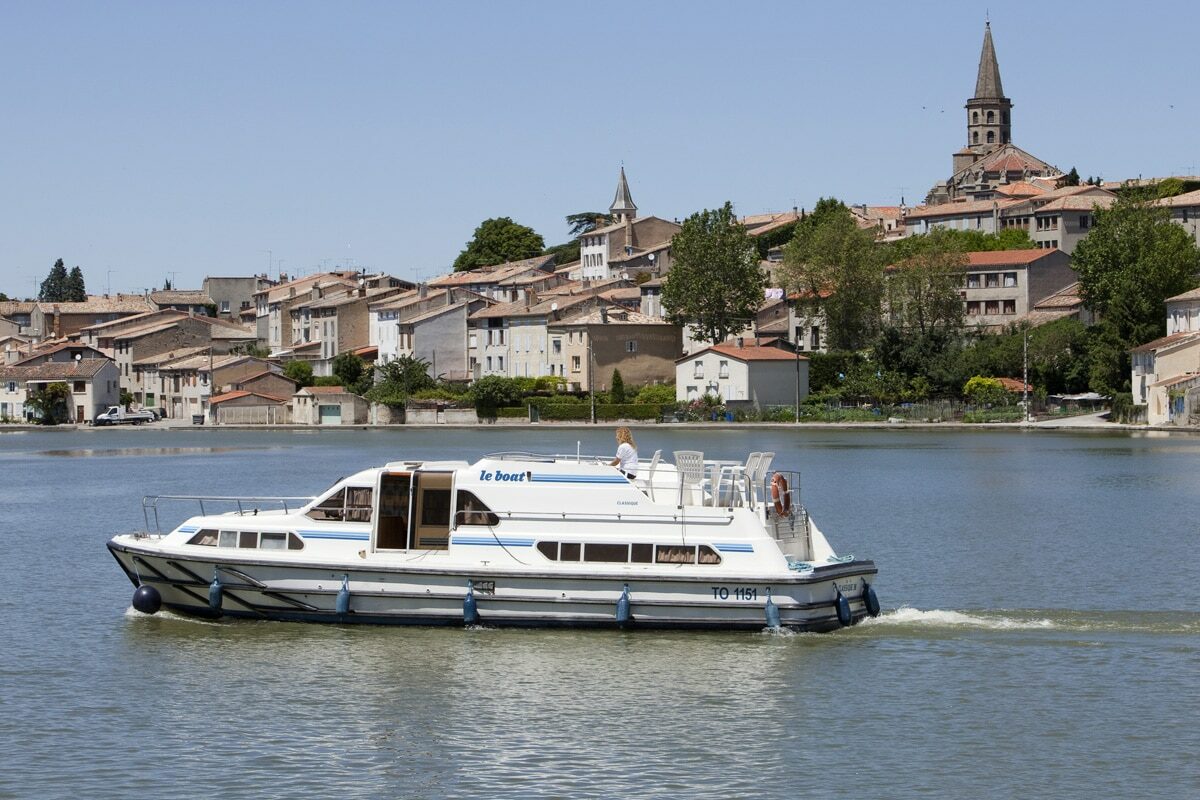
(54, 288)
(76, 291)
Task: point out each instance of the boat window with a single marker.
(227, 539)
(208, 538)
(472, 511)
(708, 555)
(611, 553)
(435, 507)
(248, 539)
(642, 553)
(675, 554)
(352, 504)
(294, 542)
(549, 550)
(273, 540)
(569, 551)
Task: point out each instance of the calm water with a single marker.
(1041, 637)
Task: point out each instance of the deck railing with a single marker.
(242, 506)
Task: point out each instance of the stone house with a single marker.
(1164, 370)
(20, 313)
(504, 283)
(56, 320)
(743, 374)
(1001, 286)
(189, 301)
(1185, 211)
(328, 405)
(273, 305)
(628, 246)
(587, 346)
(94, 384)
(512, 339)
(232, 296)
(328, 325)
(135, 349)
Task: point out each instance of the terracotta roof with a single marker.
(362, 352)
(1180, 200)
(1075, 203)
(1019, 189)
(494, 274)
(1183, 337)
(99, 304)
(999, 258)
(622, 293)
(616, 226)
(282, 291)
(10, 307)
(168, 297)
(1191, 294)
(1066, 297)
(748, 352)
(159, 359)
(55, 370)
(234, 395)
(616, 316)
(58, 347)
(1014, 385)
(540, 308)
(1167, 382)
(958, 208)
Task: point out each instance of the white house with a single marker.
(743, 373)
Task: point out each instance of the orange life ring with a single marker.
(780, 495)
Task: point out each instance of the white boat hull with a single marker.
(405, 595)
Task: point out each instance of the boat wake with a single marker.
(1155, 622)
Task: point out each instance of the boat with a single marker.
(513, 539)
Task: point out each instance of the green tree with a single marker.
(1072, 178)
(49, 403)
(299, 371)
(54, 288)
(967, 241)
(838, 271)
(497, 241)
(354, 373)
(3, 297)
(923, 289)
(565, 253)
(616, 391)
(1131, 262)
(586, 222)
(657, 394)
(401, 378)
(982, 391)
(76, 290)
(494, 391)
(715, 282)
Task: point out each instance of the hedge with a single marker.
(519, 412)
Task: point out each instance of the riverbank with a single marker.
(1083, 422)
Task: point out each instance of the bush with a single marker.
(563, 412)
(494, 391)
(300, 372)
(518, 412)
(982, 391)
(660, 393)
(327, 380)
(638, 411)
(617, 391)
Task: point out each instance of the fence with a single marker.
(254, 415)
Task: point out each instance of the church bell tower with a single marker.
(989, 112)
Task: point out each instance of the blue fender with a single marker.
(215, 591)
(624, 613)
(146, 599)
(470, 609)
(772, 612)
(343, 597)
(871, 601)
(843, 608)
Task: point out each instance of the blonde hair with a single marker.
(625, 437)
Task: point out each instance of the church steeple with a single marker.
(989, 123)
(622, 208)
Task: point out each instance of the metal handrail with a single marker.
(150, 503)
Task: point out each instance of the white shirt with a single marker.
(628, 457)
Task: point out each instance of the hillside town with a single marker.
(597, 329)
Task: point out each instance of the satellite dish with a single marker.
(650, 258)
(79, 356)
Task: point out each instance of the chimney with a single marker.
(604, 315)
(283, 277)
(291, 291)
(740, 342)
(422, 290)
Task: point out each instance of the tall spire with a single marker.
(987, 84)
(622, 207)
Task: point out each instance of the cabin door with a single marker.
(431, 505)
(391, 514)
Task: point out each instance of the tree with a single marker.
(616, 392)
(1131, 262)
(355, 374)
(497, 241)
(982, 391)
(54, 287)
(76, 291)
(923, 289)
(1072, 178)
(3, 297)
(586, 222)
(838, 271)
(405, 375)
(49, 402)
(167, 285)
(494, 391)
(715, 282)
(299, 371)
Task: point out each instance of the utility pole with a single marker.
(1025, 374)
(591, 374)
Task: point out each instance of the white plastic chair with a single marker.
(755, 479)
(740, 477)
(690, 465)
(650, 473)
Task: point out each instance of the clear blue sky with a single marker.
(153, 138)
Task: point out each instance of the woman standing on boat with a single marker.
(627, 457)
